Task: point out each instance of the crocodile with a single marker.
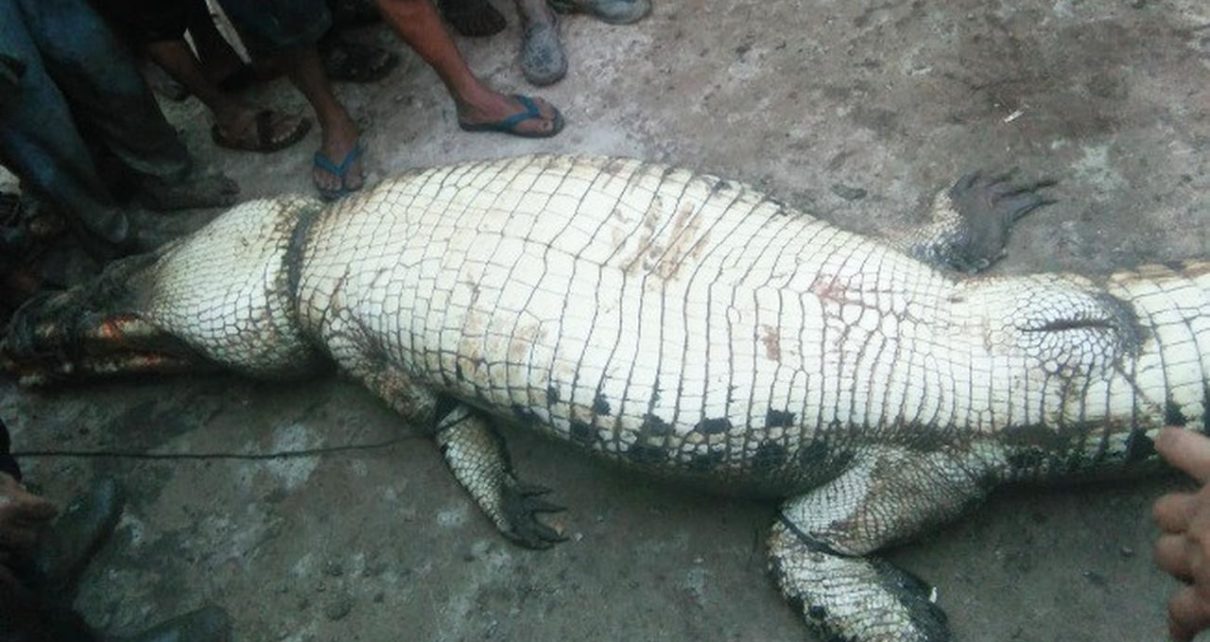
(685, 325)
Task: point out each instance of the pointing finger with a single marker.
(1172, 556)
(1172, 512)
(1187, 614)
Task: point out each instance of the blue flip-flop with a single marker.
(340, 171)
(509, 125)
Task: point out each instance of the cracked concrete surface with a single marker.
(855, 111)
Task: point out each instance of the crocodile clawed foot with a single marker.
(999, 195)
(521, 504)
(989, 204)
(476, 456)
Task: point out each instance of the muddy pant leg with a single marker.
(39, 140)
(99, 76)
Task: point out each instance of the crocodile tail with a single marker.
(1171, 304)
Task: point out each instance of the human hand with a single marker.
(22, 515)
(1183, 549)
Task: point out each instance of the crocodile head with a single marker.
(93, 329)
(222, 297)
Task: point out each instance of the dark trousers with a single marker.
(77, 71)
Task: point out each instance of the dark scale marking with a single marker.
(640, 453)
(293, 256)
(1131, 332)
(912, 592)
(795, 601)
(600, 405)
(1076, 461)
(713, 426)
(445, 405)
(653, 425)
(814, 455)
(706, 462)
(582, 432)
(1139, 447)
(1027, 459)
(779, 419)
(769, 457)
(1173, 415)
(458, 371)
(817, 613)
(524, 413)
(552, 395)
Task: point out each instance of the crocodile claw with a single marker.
(998, 196)
(989, 205)
(521, 504)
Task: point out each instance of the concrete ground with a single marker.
(855, 111)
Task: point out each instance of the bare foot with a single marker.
(494, 107)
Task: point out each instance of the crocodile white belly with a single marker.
(634, 306)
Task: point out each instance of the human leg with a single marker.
(288, 30)
(419, 25)
(340, 146)
(237, 125)
(96, 73)
(40, 143)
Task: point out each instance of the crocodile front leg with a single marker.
(472, 449)
(478, 458)
(971, 221)
(474, 452)
(818, 544)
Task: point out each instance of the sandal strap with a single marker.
(340, 170)
(531, 111)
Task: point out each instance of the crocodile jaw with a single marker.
(63, 337)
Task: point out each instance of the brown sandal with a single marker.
(263, 141)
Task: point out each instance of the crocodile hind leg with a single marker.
(818, 544)
(971, 221)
